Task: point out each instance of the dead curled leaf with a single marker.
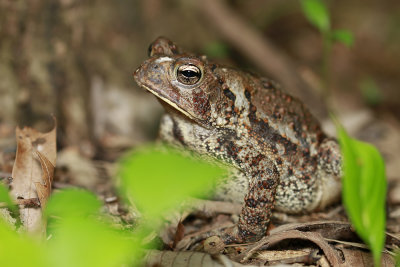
(31, 179)
(338, 230)
(180, 231)
(331, 254)
(44, 188)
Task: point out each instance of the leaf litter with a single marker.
(287, 244)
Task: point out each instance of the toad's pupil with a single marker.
(190, 73)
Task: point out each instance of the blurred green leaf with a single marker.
(72, 202)
(317, 14)
(4, 197)
(18, 250)
(87, 242)
(158, 179)
(13, 244)
(12, 207)
(344, 36)
(80, 238)
(370, 91)
(216, 50)
(364, 191)
(397, 258)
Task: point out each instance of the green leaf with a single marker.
(344, 36)
(18, 250)
(158, 179)
(4, 197)
(80, 238)
(364, 191)
(87, 242)
(397, 258)
(12, 207)
(72, 202)
(317, 14)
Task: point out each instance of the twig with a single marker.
(260, 50)
(30, 202)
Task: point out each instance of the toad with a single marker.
(280, 157)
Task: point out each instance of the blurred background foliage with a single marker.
(75, 59)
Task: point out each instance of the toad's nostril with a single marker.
(149, 51)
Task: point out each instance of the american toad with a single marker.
(282, 158)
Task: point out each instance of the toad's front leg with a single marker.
(258, 203)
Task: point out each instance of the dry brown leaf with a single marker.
(307, 256)
(356, 257)
(328, 229)
(186, 259)
(44, 188)
(206, 231)
(179, 233)
(331, 254)
(320, 233)
(27, 172)
(337, 230)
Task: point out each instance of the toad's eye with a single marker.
(188, 74)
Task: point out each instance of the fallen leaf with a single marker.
(320, 233)
(186, 259)
(331, 254)
(328, 229)
(44, 188)
(307, 256)
(180, 232)
(27, 172)
(333, 230)
(361, 258)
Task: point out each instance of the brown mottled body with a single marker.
(280, 156)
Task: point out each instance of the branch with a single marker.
(269, 58)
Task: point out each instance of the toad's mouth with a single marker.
(168, 103)
(166, 100)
